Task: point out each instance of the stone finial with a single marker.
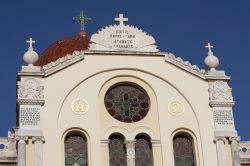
(30, 57)
(211, 61)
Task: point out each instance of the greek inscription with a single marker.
(223, 117)
(29, 116)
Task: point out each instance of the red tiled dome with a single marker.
(63, 47)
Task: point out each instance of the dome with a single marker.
(63, 47)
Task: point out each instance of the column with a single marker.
(235, 150)
(38, 141)
(21, 153)
(130, 145)
(220, 145)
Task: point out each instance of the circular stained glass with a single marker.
(127, 103)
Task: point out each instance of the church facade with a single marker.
(115, 99)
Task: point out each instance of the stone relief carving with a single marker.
(30, 89)
(220, 91)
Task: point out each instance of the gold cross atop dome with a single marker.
(121, 19)
(209, 46)
(81, 19)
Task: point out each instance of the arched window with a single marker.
(76, 151)
(183, 151)
(143, 151)
(117, 151)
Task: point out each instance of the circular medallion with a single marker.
(127, 103)
(176, 108)
(80, 106)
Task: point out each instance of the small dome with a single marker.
(63, 47)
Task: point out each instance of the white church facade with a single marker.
(115, 99)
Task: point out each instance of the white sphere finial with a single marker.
(30, 57)
(211, 61)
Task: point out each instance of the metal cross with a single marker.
(30, 42)
(81, 19)
(209, 46)
(121, 19)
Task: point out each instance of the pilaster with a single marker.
(220, 146)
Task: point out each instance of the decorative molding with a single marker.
(63, 62)
(122, 38)
(221, 104)
(186, 65)
(216, 139)
(220, 91)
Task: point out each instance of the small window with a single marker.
(117, 151)
(143, 151)
(183, 151)
(76, 151)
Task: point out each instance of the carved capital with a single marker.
(219, 91)
(24, 138)
(38, 139)
(218, 139)
(234, 139)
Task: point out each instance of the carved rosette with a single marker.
(30, 92)
(220, 94)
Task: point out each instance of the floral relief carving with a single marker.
(220, 91)
(30, 89)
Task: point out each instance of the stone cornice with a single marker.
(221, 104)
(186, 65)
(30, 101)
(63, 62)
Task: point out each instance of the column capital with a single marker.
(216, 139)
(237, 139)
(22, 138)
(130, 143)
(38, 139)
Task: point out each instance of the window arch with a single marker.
(117, 150)
(143, 151)
(76, 150)
(183, 150)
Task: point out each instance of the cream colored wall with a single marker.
(164, 82)
(30, 153)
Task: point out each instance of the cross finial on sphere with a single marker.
(209, 46)
(31, 41)
(121, 19)
(81, 19)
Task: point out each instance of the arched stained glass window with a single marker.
(143, 152)
(183, 151)
(117, 152)
(76, 152)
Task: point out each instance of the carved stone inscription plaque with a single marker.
(30, 115)
(223, 119)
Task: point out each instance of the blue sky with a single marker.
(180, 27)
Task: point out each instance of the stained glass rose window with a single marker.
(127, 103)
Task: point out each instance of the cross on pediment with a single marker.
(31, 41)
(121, 19)
(81, 19)
(209, 46)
